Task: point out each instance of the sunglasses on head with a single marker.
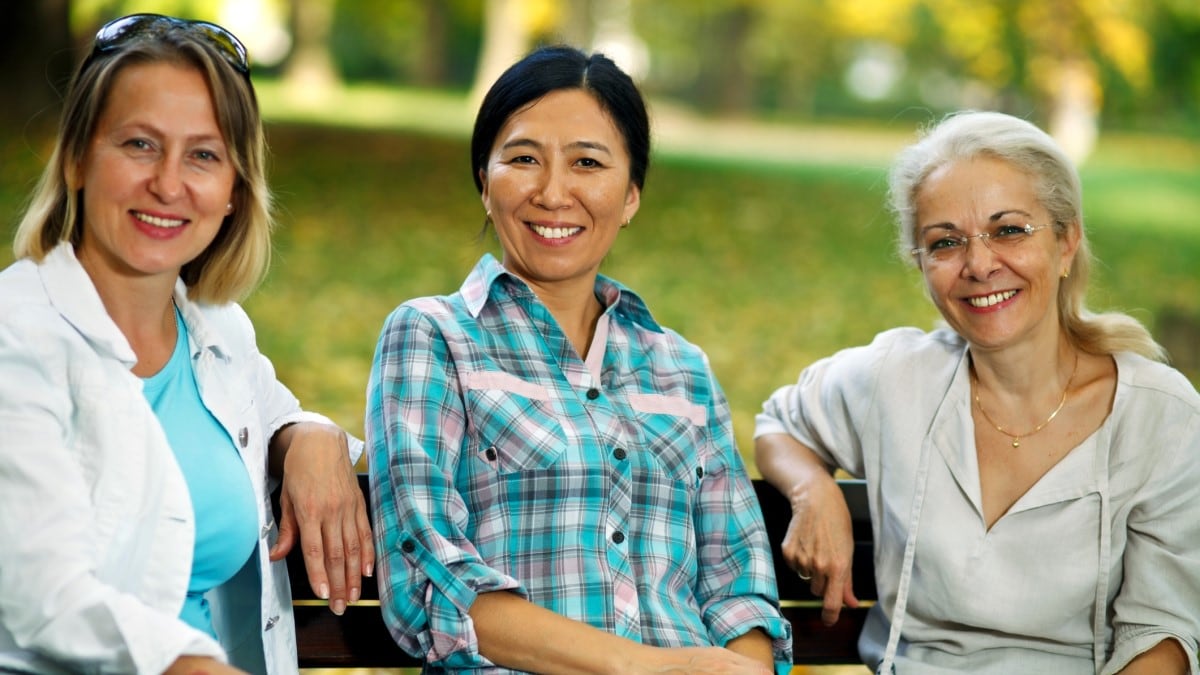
(119, 32)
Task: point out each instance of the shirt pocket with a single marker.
(514, 424)
(671, 429)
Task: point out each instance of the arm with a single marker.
(1164, 658)
(820, 539)
(518, 634)
(64, 576)
(1156, 614)
(321, 499)
(736, 586)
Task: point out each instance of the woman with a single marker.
(141, 431)
(557, 485)
(1032, 466)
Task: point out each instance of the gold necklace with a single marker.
(1016, 439)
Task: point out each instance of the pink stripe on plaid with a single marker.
(499, 380)
(661, 404)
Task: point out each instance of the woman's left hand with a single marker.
(321, 501)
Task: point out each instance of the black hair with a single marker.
(554, 68)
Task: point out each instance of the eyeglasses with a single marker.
(119, 32)
(946, 245)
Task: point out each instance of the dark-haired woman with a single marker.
(557, 484)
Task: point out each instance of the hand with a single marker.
(685, 660)
(201, 665)
(321, 499)
(819, 543)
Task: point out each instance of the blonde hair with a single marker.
(1032, 151)
(237, 259)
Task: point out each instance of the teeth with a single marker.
(989, 300)
(555, 232)
(158, 222)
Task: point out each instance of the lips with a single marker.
(554, 232)
(992, 299)
(156, 221)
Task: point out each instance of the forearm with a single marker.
(1165, 658)
(518, 634)
(786, 463)
(754, 644)
(277, 449)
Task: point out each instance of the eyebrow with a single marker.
(576, 145)
(991, 219)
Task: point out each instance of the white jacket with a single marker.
(96, 524)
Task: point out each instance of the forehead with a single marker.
(974, 189)
(570, 115)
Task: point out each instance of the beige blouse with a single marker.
(1097, 562)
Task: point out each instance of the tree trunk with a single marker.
(310, 72)
(506, 38)
(36, 58)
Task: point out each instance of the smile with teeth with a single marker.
(990, 300)
(158, 222)
(554, 232)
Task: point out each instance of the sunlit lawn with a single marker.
(768, 265)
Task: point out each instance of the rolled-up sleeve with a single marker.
(1159, 598)
(430, 572)
(736, 587)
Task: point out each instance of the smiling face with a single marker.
(558, 189)
(157, 178)
(993, 298)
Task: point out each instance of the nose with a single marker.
(554, 190)
(979, 260)
(167, 181)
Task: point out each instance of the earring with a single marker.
(626, 223)
(229, 208)
(1066, 273)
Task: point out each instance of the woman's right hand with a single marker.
(819, 543)
(201, 665)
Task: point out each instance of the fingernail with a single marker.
(323, 592)
(370, 571)
(354, 592)
(339, 607)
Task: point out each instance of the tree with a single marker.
(36, 58)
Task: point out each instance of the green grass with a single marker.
(767, 265)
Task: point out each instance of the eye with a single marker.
(522, 159)
(137, 144)
(1010, 232)
(206, 156)
(944, 244)
(589, 163)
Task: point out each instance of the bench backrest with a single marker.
(359, 638)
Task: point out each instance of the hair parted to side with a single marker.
(238, 257)
(968, 134)
(553, 68)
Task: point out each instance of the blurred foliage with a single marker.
(767, 268)
(1139, 60)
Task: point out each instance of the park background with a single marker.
(762, 236)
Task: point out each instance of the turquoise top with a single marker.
(219, 485)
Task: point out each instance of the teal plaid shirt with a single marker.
(609, 491)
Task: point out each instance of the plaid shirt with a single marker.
(609, 491)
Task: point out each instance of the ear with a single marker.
(483, 192)
(1068, 245)
(633, 200)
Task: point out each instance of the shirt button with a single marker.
(618, 537)
(699, 472)
(408, 546)
(271, 623)
(593, 394)
(491, 454)
(244, 436)
(619, 453)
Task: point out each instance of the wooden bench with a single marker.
(359, 639)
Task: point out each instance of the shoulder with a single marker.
(29, 322)
(905, 350)
(1153, 389)
(21, 287)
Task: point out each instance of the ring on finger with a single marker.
(802, 575)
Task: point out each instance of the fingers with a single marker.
(837, 588)
(366, 541)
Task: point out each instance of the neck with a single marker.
(143, 310)
(575, 307)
